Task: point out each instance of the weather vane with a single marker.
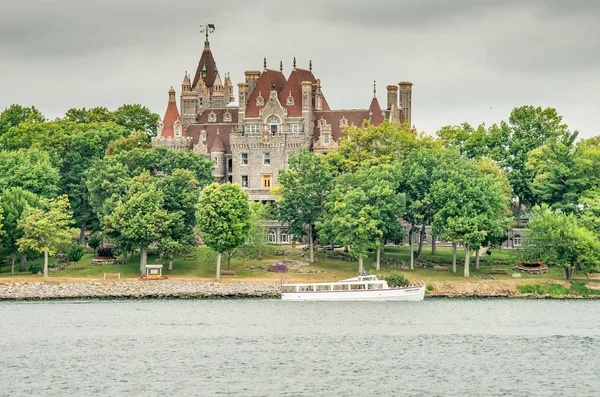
(208, 28)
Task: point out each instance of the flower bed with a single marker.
(531, 267)
(278, 268)
(150, 278)
(103, 260)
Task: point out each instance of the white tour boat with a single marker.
(361, 288)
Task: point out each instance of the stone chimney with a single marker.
(392, 96)
(406, 100)
(252, 77)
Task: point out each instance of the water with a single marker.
(274, 348)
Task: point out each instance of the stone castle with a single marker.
(250, 140)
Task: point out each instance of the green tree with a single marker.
(13, 202)
(29, 169)
(136, 140)
(46, 229)
(223, 218)
(560, 239)
(302, 191)
(93, 115)
(15, 114)
(139, 218)
(137, 117)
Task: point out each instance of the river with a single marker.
(437, 347)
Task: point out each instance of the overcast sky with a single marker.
(469, 60)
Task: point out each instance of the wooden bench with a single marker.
(228, 273)
(117, 275)
(440, 268)
(190, 256)
(499, 271)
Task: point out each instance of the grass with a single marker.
(203, 267)
(553, 289)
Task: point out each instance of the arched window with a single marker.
(273, 124)
(272, 237)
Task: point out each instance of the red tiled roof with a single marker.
(266, 81)
(208, 60)
(333, 117)
(377, 117)
(203, 117)
(195, 131)
(171, 116)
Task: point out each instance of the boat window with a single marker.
(288, 288)
(340, 287)
(357, 286)
(323, 287)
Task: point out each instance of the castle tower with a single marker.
(307, 105)
(318, 96)
(188, 102)
(243, 99)
(406, 99)
(217, 153)
(228, 90)
(218, 94)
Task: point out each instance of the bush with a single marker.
(396, 280)
(34, 268)
(75, 252)
(531, 289)
(105, 252)
(430, 287)
(94, 241)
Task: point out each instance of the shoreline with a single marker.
(179, 289)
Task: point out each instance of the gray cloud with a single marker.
(470, 60)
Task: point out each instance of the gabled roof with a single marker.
(206, 61)
(219, 115)
(218, 145)
(375, 109)
(352, 116)
(195, 131)
(268, 80)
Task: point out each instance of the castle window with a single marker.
(177, 128)
(212, 117)
(227, 117)
(260, 101)
(244, 158)
(343, 122)
(267, 158)
(284, 238)
(266, 181)
(244, 180)
(325, 139)
(290, 99)
(272, 237)
(252, 128)
(295, 127)
(273, 123)
(203, 135)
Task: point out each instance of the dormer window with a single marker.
(177, 128)
(290, 99)
(212, 117)
(260, 101)
(343, 122)
(273, 124)
(321, 122)
(204, 70)
(326, 139)
(227, 116)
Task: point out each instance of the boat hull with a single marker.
(392, 294)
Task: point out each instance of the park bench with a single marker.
(228, 273)
(117, 275)
(499, 271)
(440, 268)
(189, 256)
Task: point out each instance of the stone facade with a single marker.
(251, 141)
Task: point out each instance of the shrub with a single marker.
(558, 289)
(34, 268)
(531, 289)
(105, 252)
(430, 287)
(279, 268)
(396, 280)
(94, 241)
(75, 252)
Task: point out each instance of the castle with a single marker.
(250, 141)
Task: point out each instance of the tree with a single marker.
(137, 117)
(13, 202)
(560, 239)
(29, 169)
(223, 218)
(364, 208)
(137, 139)
(139, 218)
(46, 229)
(15, 114)
(302, 191)
(257, 236)
(93, 115)
(369, 145)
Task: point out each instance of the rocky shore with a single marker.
(136, 290)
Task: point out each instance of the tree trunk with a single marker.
(360, 265)
(311, 244)
(569, 272)
(13, 257)
(412, 250)
(219, 256)
(23, 263)
(454, 257)
(82, 234)
(46, 265)
(143, 259)
(332, 246)
(171, 261)
(421, 240)
(433, 246)
(477, 258)
(467, 259)
(378, 261)
(125, 257)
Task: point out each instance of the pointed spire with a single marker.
(281, 66)
(310, 65)
(265, 62)
(294, 63)
(374, 88)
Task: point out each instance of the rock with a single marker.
(516, 275)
